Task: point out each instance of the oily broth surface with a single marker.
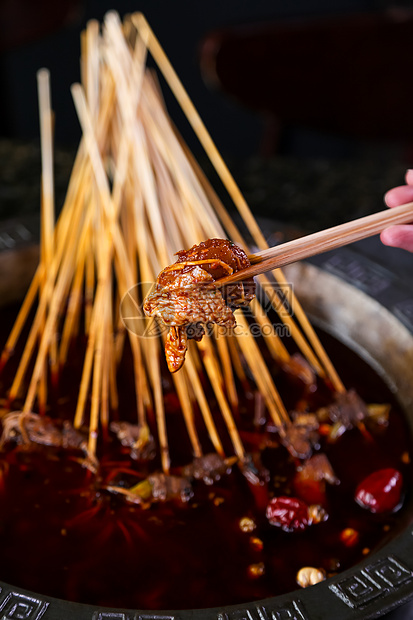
(62, 536)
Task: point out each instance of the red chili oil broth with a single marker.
(61, 535)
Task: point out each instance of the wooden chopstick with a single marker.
(322, 241)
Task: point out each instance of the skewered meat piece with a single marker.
(317, 468)
(302, 435)
(298, 367)
(31, 427)
(311, 478)
(210, 468)
(137, 437)
(346, 412)
(348, 409)
(166, 487)
(186, 299)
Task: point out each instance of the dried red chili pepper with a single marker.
(289, 513)
(380, 491)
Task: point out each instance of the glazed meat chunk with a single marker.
(185, 296)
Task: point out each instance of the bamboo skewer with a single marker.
(69, 214)
(62, 286)
(47, 208)
(322, 241)
(46, 131)
(211, 367)
(73, 311)
(215, 230)
(111, 214)
(97, 369)
(136, 196)
(213, 375)
(308, 329)
(222, 171)
(204, 406)
(288, 320)
(187, 411)
(192, 115)
(227, 371)
(21, 319)
(275, 341)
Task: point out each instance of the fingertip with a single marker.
(409, 176)
(388, 198)
(394, 197)
(400, 236)
(399, 195)
(386, 237)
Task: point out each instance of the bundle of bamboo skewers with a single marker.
(136, 196)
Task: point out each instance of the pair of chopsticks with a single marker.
(322, 241)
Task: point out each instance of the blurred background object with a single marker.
(285, 70)
(344, 77)
(22, 21)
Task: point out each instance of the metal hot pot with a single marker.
(371, 310)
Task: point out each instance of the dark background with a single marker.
(37, 33)
(333, 135)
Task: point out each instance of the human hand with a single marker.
(400, 236)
